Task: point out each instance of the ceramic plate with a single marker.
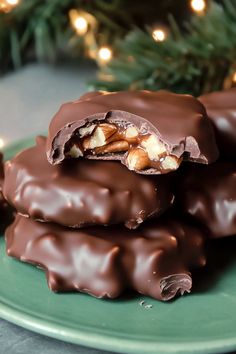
(202, 322)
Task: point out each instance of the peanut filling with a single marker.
(142, 151)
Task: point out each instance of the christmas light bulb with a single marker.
(81, 25)
(159, 35)
(8, 5)
(2, 143)
(234, 77)
(105, 54)
(12, 2)
(198, 5)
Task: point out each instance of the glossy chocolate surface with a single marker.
(82, 192)
(153, 260)
(179, 121)
(5, 210)
(208, 194)
(221, 108)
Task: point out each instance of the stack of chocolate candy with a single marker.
(120, 195)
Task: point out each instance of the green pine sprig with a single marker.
(195, 60)
(40, 30)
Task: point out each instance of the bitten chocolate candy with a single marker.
(153, 260)
(149, 132)
(221, 108)
(208, 194)
(82, 192)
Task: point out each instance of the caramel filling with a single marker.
(142, 151)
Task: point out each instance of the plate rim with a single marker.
(110, 342)
(104, 341)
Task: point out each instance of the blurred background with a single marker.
(52, 51)
(183, 45)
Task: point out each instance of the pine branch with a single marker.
(194, 61)
(31, 29)
(40, 29)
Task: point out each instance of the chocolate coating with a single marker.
(208, 194)
(179, 121)
(221, 108)
(153, 260)
(6, 213)
(82, 192)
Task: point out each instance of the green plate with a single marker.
(203, 322)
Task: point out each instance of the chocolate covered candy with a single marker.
(221, 108)
(82, 192)
(153, 260)
(149, 132)
(208, 194)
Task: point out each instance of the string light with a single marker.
(12, 2)
(159, 35)
(2, 143)
(81, 25)
(198, 5)
(8, 5)
(86, 25)
(105, 54)
(82, 21)
(234, 78)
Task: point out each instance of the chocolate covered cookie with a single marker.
(149, 132)
(208, 194)
(221, 108)
(82, 192)
(154, 260)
